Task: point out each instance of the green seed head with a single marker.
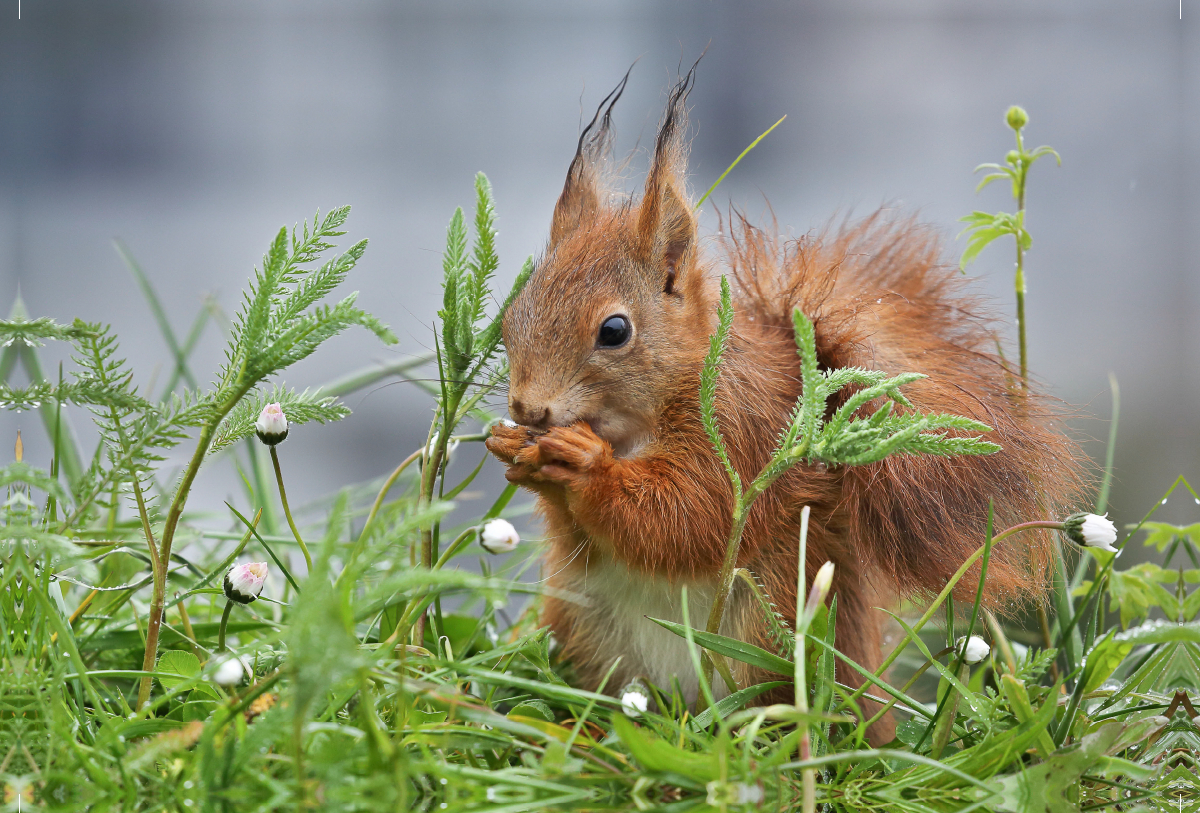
(1016, 117)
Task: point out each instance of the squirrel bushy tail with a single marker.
(881, 297)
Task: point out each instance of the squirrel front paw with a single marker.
(566, 455)
(562, 455)
(506, 443)
(507, 440)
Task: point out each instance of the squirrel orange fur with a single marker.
(634, 500)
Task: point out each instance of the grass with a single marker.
(364, 689)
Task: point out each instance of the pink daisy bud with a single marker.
(272, 425)
(820, 589)
(243, 583)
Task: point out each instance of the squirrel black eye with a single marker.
(615, 331)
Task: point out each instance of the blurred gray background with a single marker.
(193, 131)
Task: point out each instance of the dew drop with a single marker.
(1164, 502)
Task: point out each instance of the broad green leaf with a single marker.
(176, 667)
(1161, 534)
(1136, 590)
(1103, 660)
(531, 708)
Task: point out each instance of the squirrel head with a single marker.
(620, 307)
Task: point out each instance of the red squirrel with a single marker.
(606, 344)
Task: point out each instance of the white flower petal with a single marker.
(230, 671)
(633, 703)
(243, 583)
(1099, 532)
(499, 536)
(977, 649)
(272, 425)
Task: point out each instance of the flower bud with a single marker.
(272, 425)
(243, 583)
(1016, 117)
(820, 589)
(1013, 157)
(433, 443)
(1091, 531)
(499, 536)
(976, 649)
(230, 671)
(634, 700)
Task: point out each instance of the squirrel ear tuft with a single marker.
(580, 198)
(666, 225)
(577, 203)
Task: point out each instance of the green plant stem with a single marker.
(287, 511)
(145, 518)
(187, 627)
(424, 501)
(224, 624)
(943, 727)
(725, 578)
(383, 492)
(1020, 285)
(1019, 282)
(741, 512)
(422, 605)
(434, 458)
(808, 776)
(174, 513)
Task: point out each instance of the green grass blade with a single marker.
(156, 308)
(736, 161)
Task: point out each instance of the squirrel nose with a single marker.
(538, 416)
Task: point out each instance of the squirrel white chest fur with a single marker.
(618, 603)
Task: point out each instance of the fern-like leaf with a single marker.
(299, 407)
(708, 384)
